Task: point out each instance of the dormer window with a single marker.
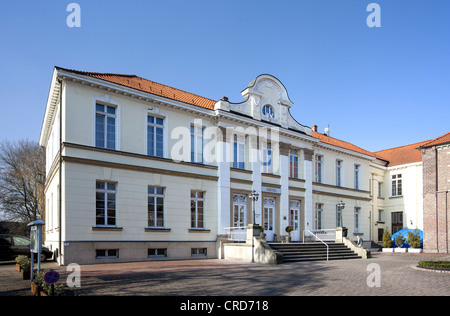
(268, 111)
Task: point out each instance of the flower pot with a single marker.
(388, 250)
(18, 267)
(25, 274)
(415, 250)
(35, 290)
(400, 249)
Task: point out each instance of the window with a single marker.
(339, 222)
(105, 203)
(318, 216)
(357, 213)
(157, 252)
(155, 207)
(267, 158)
(107, 253)
(396, 185)
(155, 136)
(197, 202)
(318, 168)
(238, 151)
(198, 252)
(240, 210)
(357, 170)
(293, 164)
(267, 111)
(380, 189)
(397, 221)
(196, 143)
(338, 172)
(105, 126)
(380, 216)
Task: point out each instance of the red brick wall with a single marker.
(436, 212)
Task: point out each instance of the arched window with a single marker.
(268, 111)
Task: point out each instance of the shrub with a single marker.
(387, 241)
(24, 262)
(435, 264)
(399, 240)
(414, 239)
(289, 229)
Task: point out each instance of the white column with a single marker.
(284, 197)
(256, 178)
(223, 187)
(308, 174)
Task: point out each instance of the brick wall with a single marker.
(436, 213)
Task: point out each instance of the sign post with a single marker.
(35, 243)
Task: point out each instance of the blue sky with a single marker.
(376, 87)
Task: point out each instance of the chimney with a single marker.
(314, 128)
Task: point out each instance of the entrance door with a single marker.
(294, 220)
(239, 217)
(269, 218)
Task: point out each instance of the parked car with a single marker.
(13, 245)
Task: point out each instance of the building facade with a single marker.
(136, 170)
(436, 187)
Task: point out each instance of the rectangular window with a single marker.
(318, 170)
(105, 126)
(357, 216)
(380, 215)
(105, 203)
(155, 136)
(157, 252)
(357, 170)
(338, 173)
(293, 164)
(339, 221)
(196, 143)
(396, 185)
(106, 254)
(198, 252)
(396, 221)
(155, 207)
(267, 158)
(197, 203)
(380, 189)
(318, 216)
(238, 152)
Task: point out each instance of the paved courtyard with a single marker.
(387, 274)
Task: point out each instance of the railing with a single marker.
(236, 234)
(317, 238)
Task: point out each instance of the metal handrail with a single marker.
(328, 247)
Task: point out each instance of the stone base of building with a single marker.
(94, 252)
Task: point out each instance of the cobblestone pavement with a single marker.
(398, 276)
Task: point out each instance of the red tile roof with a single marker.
(402, 155)
(342, 144)
(438, 141)
(135, 82)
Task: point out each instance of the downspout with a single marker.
(60, 170)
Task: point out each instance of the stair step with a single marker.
(293, 252)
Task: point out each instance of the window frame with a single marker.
(396, 184)
(357, 176)
(238, 151)
(196, 218)
(196, 142)
(318, 168)
(106, 115)
(155, 126)
(155, 196)
(293, 163)
(105, 192)
(339, 166)
(267, 161)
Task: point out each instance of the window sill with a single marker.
(157, 229)
(396, 197)
(199, 230)
(107, 228)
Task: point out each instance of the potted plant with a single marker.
(288, 230)
(25, 266)
(37, 284)
(56, 290)
(387, 242)
(414, 242)
(399, 241)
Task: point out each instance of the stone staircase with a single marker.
(312, 251)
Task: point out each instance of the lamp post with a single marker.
(254, 197)
(341, 206)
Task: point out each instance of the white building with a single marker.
(137, 170)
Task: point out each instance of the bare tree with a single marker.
(22, 179)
